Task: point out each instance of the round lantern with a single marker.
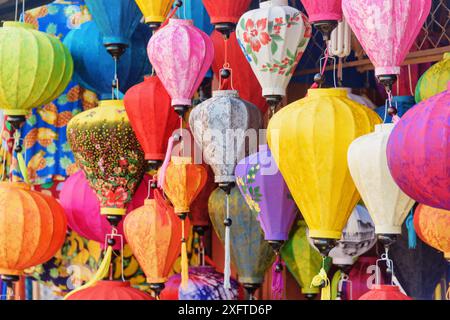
(181, 54)
(110, 290)
(432, 226)
(213, 121)
(314, 162)
(384, 292)
(434, 80)
(152, 118)
(117, 20)
(387, 204)
(273, 38)
(205, 283)
(94, 68)
(251, 255)
(107, 150)
(155, 11)
(36, 69)
(324, 14)
(225, 13)
(386, 30)
(32, 228)
(418, 152)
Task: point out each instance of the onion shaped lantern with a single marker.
(324, 14)
(110, 290)
(154, 11)
(226, 13)
(434, 80)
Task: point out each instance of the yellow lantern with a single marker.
(154, 11)
(309, 141)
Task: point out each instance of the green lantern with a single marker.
(302, 260)
(35, 68)
(434, 80)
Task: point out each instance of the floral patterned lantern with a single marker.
(155, 11)
(110, 290)
(225, 13)
(107, 150)
(324, 14)
(434, 80)
(273, 38)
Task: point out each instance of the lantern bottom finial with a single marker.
(324, 245)
(181, 110)
(387, 80)
(16, 121)
(225, 28)
(311, 296)
(326, 27)
(153, 165)
(114, 220)
(154, 25)
(273, 101)
(387, 239)
(251, 289)
(116, 50)
(157, 288)
(227, 186)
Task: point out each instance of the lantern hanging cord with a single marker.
(344, 278)
(321, 280)
(226, 66)
(184, 257)
(170, 16)
(115, 85)
(322, 72)
(227, 263)
(20, 159)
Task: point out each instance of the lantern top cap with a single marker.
(180, 22)
(225, 93)
(17, 24)
(110, 103)
(17, 185)
(334, 92)
(272, 3)
(385, 287)
(385, 127)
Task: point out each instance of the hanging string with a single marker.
(162, 171)
(23, 10)
(315, 85)
(227, 263)
(20, 159)
(410, 81)
(17, 10)
(184, 257)
(226, 67)
(115, 83)
(170, 16)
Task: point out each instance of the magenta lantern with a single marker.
(418, 152)
(324, 14)
(181, 54)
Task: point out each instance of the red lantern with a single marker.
(360, 275)
(199, 208)
(110, 290)
(148, 106)
(226, 13)
(244, 79)
(384, 292)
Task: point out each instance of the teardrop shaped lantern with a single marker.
(226, 13)
(251, 255)
(117, 20)
(155, 11)
(273, 38)
(418, 152)
(105, 147)
(110, 290)
(434, 80)
(36, 69)
(340, 44)
(387, 204)
(384, 292)
(181, 54)
(152, 118)
(386, 30)
(217, 120)
(309, 141)
(432, 226)
(324, 14)
(94, 68)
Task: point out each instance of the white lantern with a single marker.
(273, 38)
(387, 204)
(340, 44)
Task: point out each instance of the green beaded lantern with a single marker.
(434, 80)
(35, 68)
(106, 148)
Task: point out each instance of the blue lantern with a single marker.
(402, 103)
(94, 68)
(117, 20)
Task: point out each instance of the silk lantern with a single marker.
(251, 255)
(401, 103)
(152, 118)
(388, 205)
(418, 152)
(434, 80)
(199, 207)
(225, 13)
(117, 20)
(273, 38)
(314, 162)
(302, 260)
(431, 225)
(243, 79)
(94, 68)
(181, 54)
(107, 150)
(33, 228)
(214, 122)
(110, 290)
(324, 14)
(386, 30)
(36, 69)
(384, 292)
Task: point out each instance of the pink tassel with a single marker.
(395, 119)
(277, 279)
(162, 172)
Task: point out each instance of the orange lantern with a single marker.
(432, 226)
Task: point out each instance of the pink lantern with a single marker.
(386, 30)
(83, 208)
(418, 152)
(181, 55)
(324, 14)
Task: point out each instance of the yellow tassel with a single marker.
(184, 260)
(447, 295)
(322, 280)
(102, 272)
(23, 167)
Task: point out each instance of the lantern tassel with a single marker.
(227, 264)
(184, 260)
(162, 172)
(412, 236)
(277, 278)
(321, 280)
(100, 274)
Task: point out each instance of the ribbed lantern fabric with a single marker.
(151, 116)
(388, 205)
(107, 150)
(243, 79)
(32, 228)
(181, 55)
(323, 10)
(36, 68)
(434, 80)
(432, 226)
(263, 187)
(251, 255)
(386, 29)
(418, 152)
(198, 213)
(223, 114)
(116, 19)
(226, 11)
(384, 292)
(110, 290)
(309, 141)
(94, 67)
(273, 38)
(155, 10)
